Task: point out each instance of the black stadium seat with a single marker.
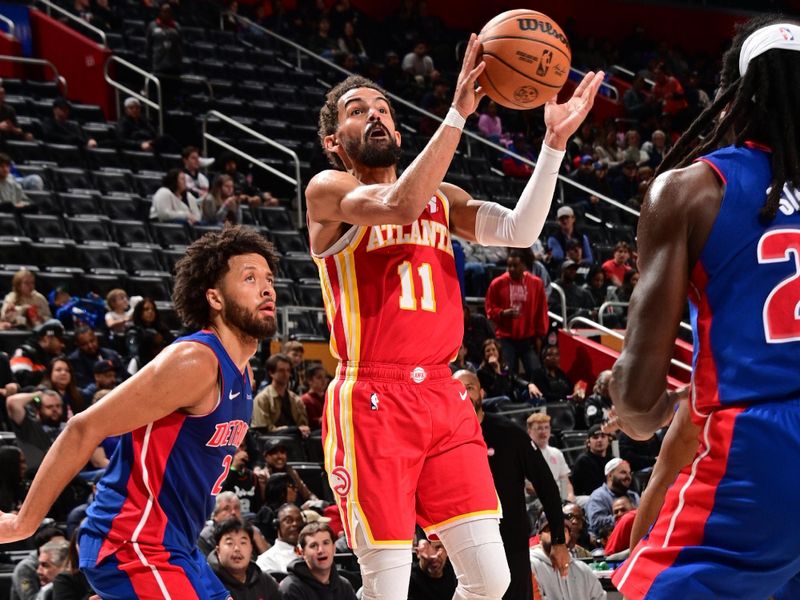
(52, 254)
(275, 218)
(170, 234)
(299, 267)
(66, 155)
(102, 284)
(9, 224)
(157, 288)
(72, 179)
(139, 259)
(285, 294)
(126, 233)
(92, 256)
(79, 204)
(119, 207)
(289, 241)
(89, 229)
(114, 180)
(43, 226)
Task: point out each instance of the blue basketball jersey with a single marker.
(159, 487)
(745, 290)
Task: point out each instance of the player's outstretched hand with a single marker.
(467, 97)
(562, 120)
(10, 528)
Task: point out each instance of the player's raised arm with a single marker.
(174, 380)
(364, 142)
(491, 224)
(672, 228)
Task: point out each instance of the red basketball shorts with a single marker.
(403, 446)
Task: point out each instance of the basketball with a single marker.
(527, 59)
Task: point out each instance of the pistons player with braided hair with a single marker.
(721, 224)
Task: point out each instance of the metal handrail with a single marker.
(12, 28)
(630, 73)
(297, 181)
(561, 293)
(469, 134)
(99, 32)
(608, 304)
(159, 106)
(41, 62)
(618, 335)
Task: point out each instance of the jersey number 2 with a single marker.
(781, 316)
(408, 296)
(226, 466)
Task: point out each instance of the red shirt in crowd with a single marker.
(620, 538)
(615, 274)
(528, 295)
(314, 404)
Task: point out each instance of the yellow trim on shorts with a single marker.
(496, 512)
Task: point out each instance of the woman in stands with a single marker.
(222, 205)
(499, 382)
(24, 307)
(173, 203)
(147, 336)
(13, 485)
(553, 382)
(59, 377)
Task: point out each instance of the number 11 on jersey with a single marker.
(408, 296)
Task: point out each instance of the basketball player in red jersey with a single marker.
(402, 443)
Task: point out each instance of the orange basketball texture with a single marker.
(527, 58)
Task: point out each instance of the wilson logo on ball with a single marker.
(544, 27)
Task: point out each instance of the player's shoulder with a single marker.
(682, 188)
(188, 356)
(330, 182)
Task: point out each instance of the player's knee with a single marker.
(490, 577)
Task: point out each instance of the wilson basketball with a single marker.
(527, 58)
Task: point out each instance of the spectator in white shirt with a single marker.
(277, 559)
(173, 203)
(539, 432)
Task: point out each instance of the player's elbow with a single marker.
(82, 429)
(620, 388)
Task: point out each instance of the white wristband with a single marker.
(454, 119)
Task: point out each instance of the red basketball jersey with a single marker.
(392, 294)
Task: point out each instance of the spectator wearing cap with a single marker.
(23, 306)
(275, 461)
(580, 581)
(276, 407)
(277, 558)
(12, 196)
(557, 243)
(29, 362)
(36, 429)
(579, 301)
(314, 398)
(641, 454)
(105, 378)
(588, 472)
(232, 561)
(574, 252)
(59, 129)
(599, 509)
(584, 175)
(135, 132)
(88, 353)
(615, 268)
(517, 305)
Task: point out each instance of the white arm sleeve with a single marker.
(496, 225)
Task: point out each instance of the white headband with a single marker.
(783, 36)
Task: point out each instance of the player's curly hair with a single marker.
(762, 106)
(206, 263)
(329, 113)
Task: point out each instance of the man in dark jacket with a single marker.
(314, 576)
(88, 352)
(232, 562)
(588, 470)
(60, 129)
(512, 459)
(30, 360)
(164, 50)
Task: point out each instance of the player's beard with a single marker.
(374, 153)
(252, 326)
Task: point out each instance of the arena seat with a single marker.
(89, 228)
(562, 416)
(79, 203)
